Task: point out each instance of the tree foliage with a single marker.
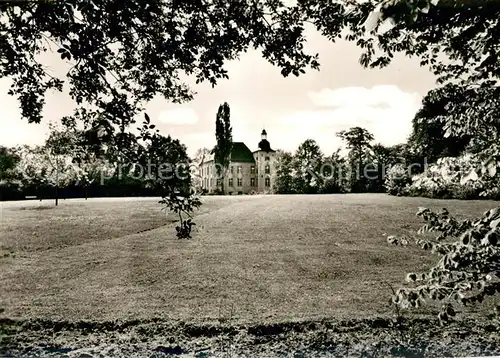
(428, 137)
(306, 166)
(469, 266)
(117, 56)
(224, 138)
(458, 41)
(283, 184)
(8, 162)
(182, 206)
(358, 141)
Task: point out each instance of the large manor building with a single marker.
(248, 171)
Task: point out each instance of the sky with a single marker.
(315, 105)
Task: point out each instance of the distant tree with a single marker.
(201, 155)
(224, 146)
(358, 141)
(429, 127)
(120, 61)
(468, 103)
(40, 167)
(8, 162)
(334, 173)
(165, 166)
(283, 183)
(59, 150)
(381, 158)
(307, 163)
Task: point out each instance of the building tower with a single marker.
(265, 160)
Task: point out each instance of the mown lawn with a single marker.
(252, 259)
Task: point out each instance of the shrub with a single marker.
(469, 266)
(181, 204)
(397, 180)
(450, 178)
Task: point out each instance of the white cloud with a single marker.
(385, 111)
(178, 116)
(385, 95)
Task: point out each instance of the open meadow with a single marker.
(253, 259)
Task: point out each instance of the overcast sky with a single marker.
(316, 105)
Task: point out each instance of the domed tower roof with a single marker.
(264, 143)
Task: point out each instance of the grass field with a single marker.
(252, 258)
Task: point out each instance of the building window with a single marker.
(210, 181)
(268, 169)
(230, 181)
(267, 158)
(240, 182)
(268, 182)
(238, 170)
(232, 169)
(218, 182)
(252, 169)
(252, 181)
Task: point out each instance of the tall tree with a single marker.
(224, 146)
(358, 141)
(307, 163)
(334, 172)
(166, 165)
(284, 178)
(428, 137)
(381, 158)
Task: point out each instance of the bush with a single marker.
(397, 180)
(469, 266)
(448, 178)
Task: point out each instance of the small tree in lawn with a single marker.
(169, 174)
(59, 150)
(224, 146)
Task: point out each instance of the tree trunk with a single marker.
(57, 183)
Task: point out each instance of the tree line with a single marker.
(65, 166)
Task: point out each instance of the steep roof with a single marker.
(241, 153)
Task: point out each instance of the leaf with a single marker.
(495, 223)
(492, 169)
(471, 176)
(148, 120)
